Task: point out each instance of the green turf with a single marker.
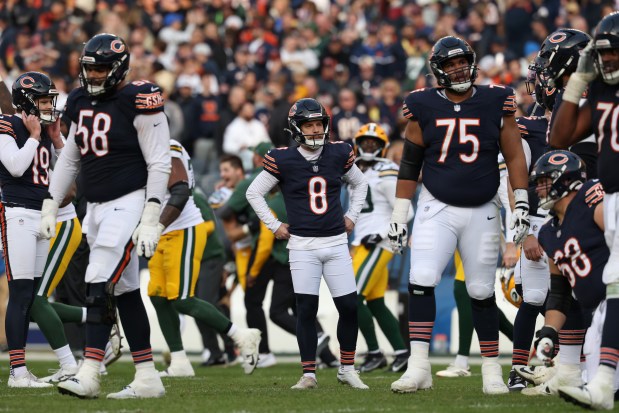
(220, 389)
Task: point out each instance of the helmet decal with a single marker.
(26, 82)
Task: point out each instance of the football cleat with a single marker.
(28, 381)
(400, 362)
(372, 362)
(492, 378)
(594, 396)
(247, 341)
(85, 384)
(146, 385)
(351, 378)
(266, 360)
(61, 374)
(305, 382)
(178, 368)
(515, 382)
(566, 375)
(453, 371)
(417, 376)
(113, 347)
(536, 374)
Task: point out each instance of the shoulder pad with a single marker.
(145, 96)
(6, 126)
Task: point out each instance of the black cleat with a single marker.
(400, 363)
(515, 382)
(373, 361)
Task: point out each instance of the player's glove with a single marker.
(146, 235)
(398, 228)
(547, 337)
(585, 73)
(370, 240)
(520, 217)
(49, 212)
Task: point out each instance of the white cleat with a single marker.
(304, 383)
(146, 385)
(61, 374)
(536, 374)
(454, 371)
(113, 347)
(351, 378)
(247, 340)
(416, 377)
(592, 396)
(566, 376)
(266, 360)
(29, 381)
(492, 377)
(178, 368)
(84, 384)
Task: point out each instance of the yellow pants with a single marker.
(371, 274)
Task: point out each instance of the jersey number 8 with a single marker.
(318, 195)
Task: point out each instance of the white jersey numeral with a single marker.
(317, 188)
(97, 142)
(463, 137)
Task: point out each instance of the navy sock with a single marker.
(135, 325)
(486, 322)
(524, 328)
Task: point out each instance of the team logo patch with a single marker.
(557, 37)
(558, 159)
(26, 82)
(117, 46)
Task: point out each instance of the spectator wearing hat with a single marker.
(244, 132)
(348, 116)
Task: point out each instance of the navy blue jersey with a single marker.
(604, 118)
(312, 190)
(533, 130)
(577, 245)
(462, 141)
(346, 124)
(30, 189)
(112, 164)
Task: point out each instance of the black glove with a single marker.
(547, 349)
(370, 240)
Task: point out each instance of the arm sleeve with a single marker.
(359, 186)
(256, 192)
(66, 168)
(509, 102)
(154, 139)
(16, 160)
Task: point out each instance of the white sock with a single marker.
(84, 314)
(233, 330)
(147, 365)
(375, 352)
(420, 350)
(178, 355)
(569, 354)
(462, 362)
(19, 371)
(65, 357)
(345, 368)
(493, 360)
(312, 375)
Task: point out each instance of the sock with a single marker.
(609, 350)
(420, 350)
(48, 321)
(178, 355)
(387, 323)
(312, 375)
(203, 311)
(421, 313)
(232, 330)
(135, 325)
(99, 323)
(307, 308)
(572, 336)
(17, 318)
(347, 327)
(486, 321)
(524, 329)
(168, 322)
(505, 326)
(461, 361)
(20, 371)
(65, 357)
(465, 318)
(366, 324)
(70, 313)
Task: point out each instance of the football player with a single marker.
(310, 177)
(598, 69)
(454, 133)
(174, 272)
(27, 143)
(574, 239)
(372, 251)
(120, 138)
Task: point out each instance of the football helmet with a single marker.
(28, 89)
(375, 132)
(508, 285)
(566, 170)
(545, 97)
(607, 37)
(559, 55)
(109, 51)
(306, 110)
(445, 49)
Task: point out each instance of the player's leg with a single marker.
(433, 242)
(24, 257)
(460, 366)
(479, 248)
(339, 277)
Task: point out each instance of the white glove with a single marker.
(398, 237)
(585, 73)
(49, 212)
(146, 235)
(520, 217)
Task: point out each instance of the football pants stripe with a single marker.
(5, 244)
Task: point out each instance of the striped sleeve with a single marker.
(176, 150)
(350, 161)
(509, 104)
(522, 128)
(594, 195)
(270, 164)
(388, 173)
(6, 128)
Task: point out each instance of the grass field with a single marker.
(220, 389)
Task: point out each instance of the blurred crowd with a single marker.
(230, 69)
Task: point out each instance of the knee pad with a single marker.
(427, 276)
(483, 304)
(414, 289)
(100, 306)
(478, 291)
(535, 297)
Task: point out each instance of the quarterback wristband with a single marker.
(576, 86)
(400, 210)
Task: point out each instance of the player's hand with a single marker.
(520, 217)
(586, 63)
(510, 256)
(547, 337)
(371, 240)
(53, 130)
(33, 124)
(49, 211)
(398, 236)
(282, 232)
(532, 250)
(350, 226)
(146, 235)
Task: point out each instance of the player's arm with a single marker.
(359, 191)
(154, 140)
(570, 124)
(178, 187)
(17, 160)
(598, 215)
(259, 188)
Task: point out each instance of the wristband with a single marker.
(576, 86)
(400, 210)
